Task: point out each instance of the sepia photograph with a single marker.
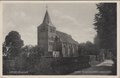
(59, 38)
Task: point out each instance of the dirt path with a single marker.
(103, 68)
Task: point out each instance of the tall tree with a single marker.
(106, 26)
(13, 43)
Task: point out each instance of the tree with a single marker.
(33, 55)
(14, 43)
(81, 49)
(87, 48)
(106, 26)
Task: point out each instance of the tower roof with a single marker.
(47, 19)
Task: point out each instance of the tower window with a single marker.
(51, 30)
(43, 29)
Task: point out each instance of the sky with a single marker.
(75, 19)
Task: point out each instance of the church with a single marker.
(55, 43)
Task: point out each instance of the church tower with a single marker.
(46, 35)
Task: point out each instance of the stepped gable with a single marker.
(66, 38)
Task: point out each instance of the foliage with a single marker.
(13, 43)
(68, 65)
(30, 50)
(32, 55)
(87, 48)
(106, 26)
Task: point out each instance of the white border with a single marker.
(62, 76)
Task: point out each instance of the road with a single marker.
(104, 68)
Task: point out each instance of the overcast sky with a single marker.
(75, 19)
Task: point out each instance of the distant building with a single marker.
(53, 42)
